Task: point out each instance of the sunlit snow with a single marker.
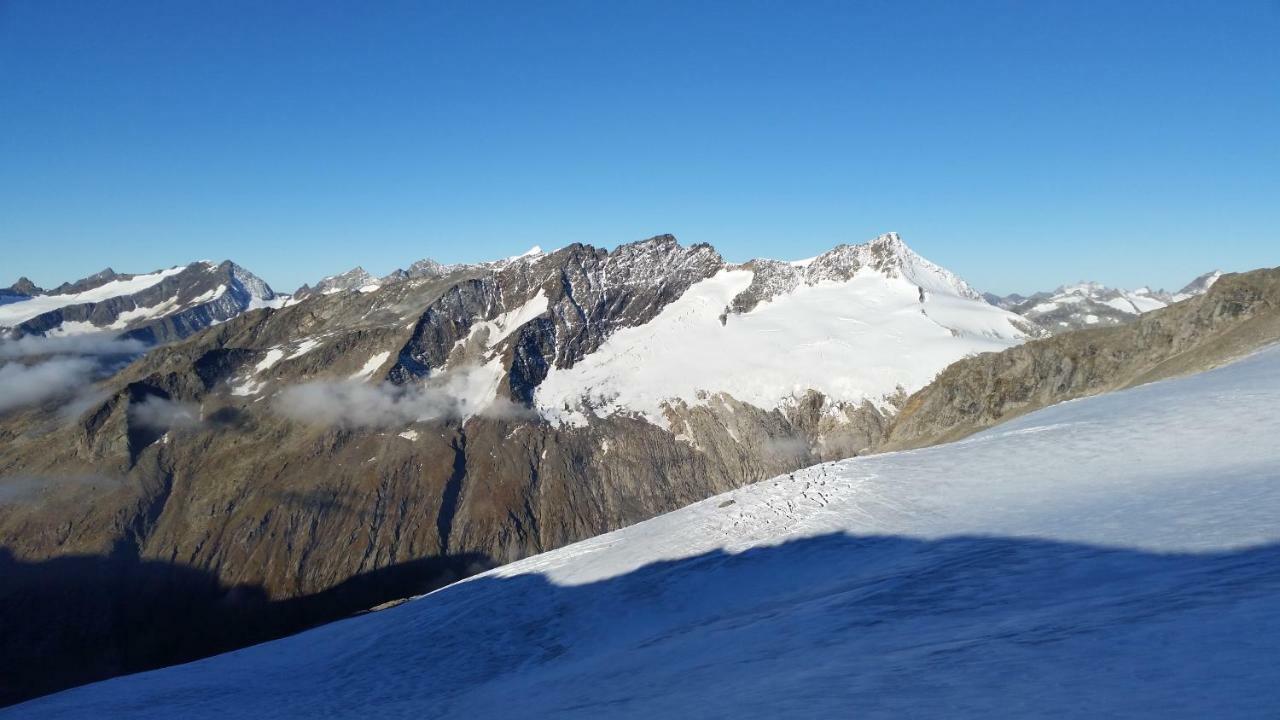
(856, 340)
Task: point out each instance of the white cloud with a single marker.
(41, 368)
(161, 414)
(98, 344)
(456, 394)
(25, 384)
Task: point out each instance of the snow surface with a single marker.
(147, 313)
(1109, 557)
(498, 329)
(371, 365)
(19, 312)
(304, 347)
(534, 251)
(274, 355)
(208, 296)
(857, 340)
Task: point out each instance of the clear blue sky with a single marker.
(1021, 144)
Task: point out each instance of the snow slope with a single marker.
(1108, 557)
(854, 339)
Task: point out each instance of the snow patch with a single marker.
(370, 366)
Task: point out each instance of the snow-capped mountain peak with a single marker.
(1086, 303)
(857, 323)
(162, 305)
(354, 279)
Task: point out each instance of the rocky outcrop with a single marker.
(353, 279)
(23, 288)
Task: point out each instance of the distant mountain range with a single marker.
(1072, 307)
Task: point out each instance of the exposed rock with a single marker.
(24, 287)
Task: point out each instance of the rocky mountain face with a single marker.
(1235, 315)
(157, 307)
(367, 443)
(353, 279)
(1087, 304)
(20, 290)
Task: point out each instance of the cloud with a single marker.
(785, 446)
(25, 488)
(34, 369)
(25, 384)
(456, 394)
(161, 414)
(91, 344)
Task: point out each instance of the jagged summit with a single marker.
(24, 286)
(95, 280)
(886, 254)
(356, 278)
(1199, 286)
(427, 268)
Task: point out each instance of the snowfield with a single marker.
(860, 339)
(1109, 557)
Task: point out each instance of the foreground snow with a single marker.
(1107, 557)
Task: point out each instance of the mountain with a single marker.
(1088, 304)
(1239, 314)
(1102, 558)
(19, 291)
(156, 307)
(359, 446)
(357, 278)
(360, 280)
(1199, 286)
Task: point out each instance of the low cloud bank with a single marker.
(36, 369)
(28, 488)
(25, 384)
(79, 345)
(456, 394)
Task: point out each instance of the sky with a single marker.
(1021, 144)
